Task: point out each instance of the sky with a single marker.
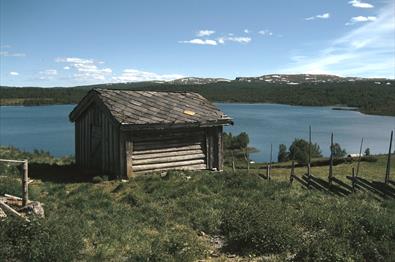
(66, 43)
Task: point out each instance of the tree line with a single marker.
(367, 96)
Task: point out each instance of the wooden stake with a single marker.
(353, 179)
(331, 162)
(25, 183)
(233, 163)
(309, 162)
(359, 159)
(247, 160)
(291, 177)
(388, 169)
(270, 163)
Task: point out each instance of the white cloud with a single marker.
(198, 41)
(247, 31)
(203, 33)
(87, 69)
(134, 75)
(236, 39)
(323, 16)
(368, 50)
(265, 32)
(359, 19)
(66, 68)
(6, 53)
(360, 4)
(239, 39)
(14, 73)
(48, 74)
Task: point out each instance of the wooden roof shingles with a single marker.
(150, 109)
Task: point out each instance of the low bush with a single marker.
(259, 228)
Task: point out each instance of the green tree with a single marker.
(240, 141)
(367, 151)
(299, 150)
(243, 140)
(283, 155)
(338, 151)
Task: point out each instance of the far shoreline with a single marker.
(336, 107)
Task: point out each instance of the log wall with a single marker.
(182, 148)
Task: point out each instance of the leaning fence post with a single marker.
(331, 162)
(359, 159)
(387, 171)
(353, 179)
(25, 181)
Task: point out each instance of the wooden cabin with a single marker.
(123, 133)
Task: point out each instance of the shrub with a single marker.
(299, 150)
(338, 151)
(259, 228)
(283, 156)
(40, 240)
(99, 179)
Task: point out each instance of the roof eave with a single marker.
(219, 122)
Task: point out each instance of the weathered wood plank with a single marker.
(191, 167)
(167, 165)
(169, 159)
(140, 147)
(167, 149)
(168, 154)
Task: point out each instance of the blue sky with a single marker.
(67, 43)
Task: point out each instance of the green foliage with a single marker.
(338, 151)
(365, 95)
(283, 155)
(255, 228)
(41, 240)
(367, 151)
(98, 179)
(299, 150)
(160, 219)
(240, 141)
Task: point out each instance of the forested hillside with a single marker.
(369, 97)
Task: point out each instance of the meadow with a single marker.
(190, 216)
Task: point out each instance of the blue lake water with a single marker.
(48, 127)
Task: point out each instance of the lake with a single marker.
(48, 127)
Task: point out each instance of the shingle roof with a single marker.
(158, 108)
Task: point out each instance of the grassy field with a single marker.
(189, 216)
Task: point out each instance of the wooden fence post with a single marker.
(331, 163)
(353, 179)
(270, 163)
(388, 169)
(233, 163)
(309, 162)
(247, 160)
(359, 159)
(25, 182)
(291, 177)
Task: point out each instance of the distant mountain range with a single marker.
(289, 79)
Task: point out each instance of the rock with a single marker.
(33, 208)
(201, 233)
